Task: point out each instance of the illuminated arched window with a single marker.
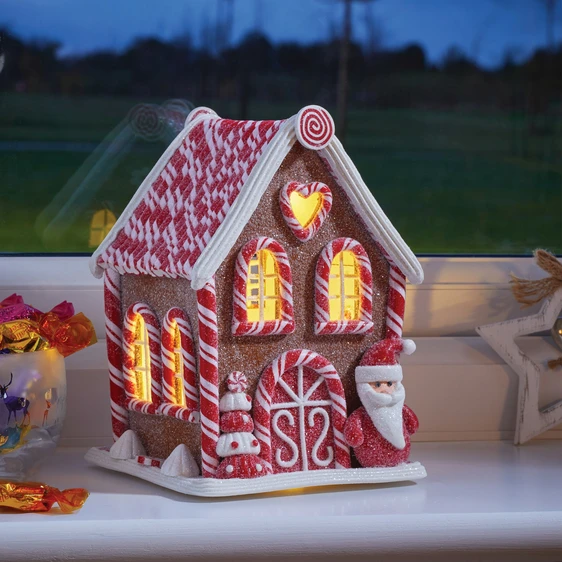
(179, 396)
(102, 222)
(263, 301)
(263, 293)
(344, 289)
(142, 360)
(142, 368)
(179, 374)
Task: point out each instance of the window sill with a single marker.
(466, 509)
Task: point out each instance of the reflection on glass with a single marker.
(450, 110)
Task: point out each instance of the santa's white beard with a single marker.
(385, 411)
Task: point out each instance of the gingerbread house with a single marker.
(253, 250)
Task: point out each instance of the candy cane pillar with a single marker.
(113, 324)
(208, 377)
(396, 304)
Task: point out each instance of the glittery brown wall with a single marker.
(160, 435)
(251, 354)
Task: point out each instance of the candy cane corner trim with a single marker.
(208, 377)
(240, 324)
(322, 323)
(396, 297)
(114, 340)
(264, 397)
(169, 407)
(305, 190)
(153, 330)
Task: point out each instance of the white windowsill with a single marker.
(480, 501)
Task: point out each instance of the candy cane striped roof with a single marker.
(193, 205)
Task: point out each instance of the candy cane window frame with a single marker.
(188, 409)
(152, 325)
(322, 322)
(241, 326)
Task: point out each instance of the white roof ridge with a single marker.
(376, 221)
(348, 177)
(244, 206)
(251, 192)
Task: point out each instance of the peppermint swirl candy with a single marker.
(237, 382)
(146, 121)
(315, 127)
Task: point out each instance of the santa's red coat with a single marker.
(370, 447)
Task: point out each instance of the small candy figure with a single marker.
(380, 430)
(237, 444)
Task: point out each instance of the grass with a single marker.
(451, 181)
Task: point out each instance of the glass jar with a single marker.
(32, 409)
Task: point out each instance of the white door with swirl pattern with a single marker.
(302, 436)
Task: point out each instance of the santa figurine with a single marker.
(380, 430)
(237, 444)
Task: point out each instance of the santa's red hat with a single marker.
(381, 361)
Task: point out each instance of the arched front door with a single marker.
(300, 412)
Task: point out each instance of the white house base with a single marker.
(211, 487)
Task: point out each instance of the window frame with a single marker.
(262, 298)
(189, 411)
(323, 325)
(241, 326)
(152, 324)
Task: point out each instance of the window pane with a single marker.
(452, 114)
(263, 281)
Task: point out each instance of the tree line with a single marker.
(258, 70)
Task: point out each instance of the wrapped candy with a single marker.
(33, 345)
(34, 496)
(21, 336)
(24, 328)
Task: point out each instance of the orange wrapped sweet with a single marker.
(68, 336)
(21, 336)
(24, 329)
(34, 496)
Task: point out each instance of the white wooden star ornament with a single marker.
(531, 420)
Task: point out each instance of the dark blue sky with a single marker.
(484, 29)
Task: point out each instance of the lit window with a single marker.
(142, 361)
(263, 290)
(263, 301)
(344, 287)
(102, 222)
(178, 367)
(305, 209)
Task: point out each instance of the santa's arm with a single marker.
(353, 432)
(410, 420)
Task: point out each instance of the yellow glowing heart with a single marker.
(305, 209)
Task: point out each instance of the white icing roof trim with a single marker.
(218, 247)
(137, 198)
(348, 177)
